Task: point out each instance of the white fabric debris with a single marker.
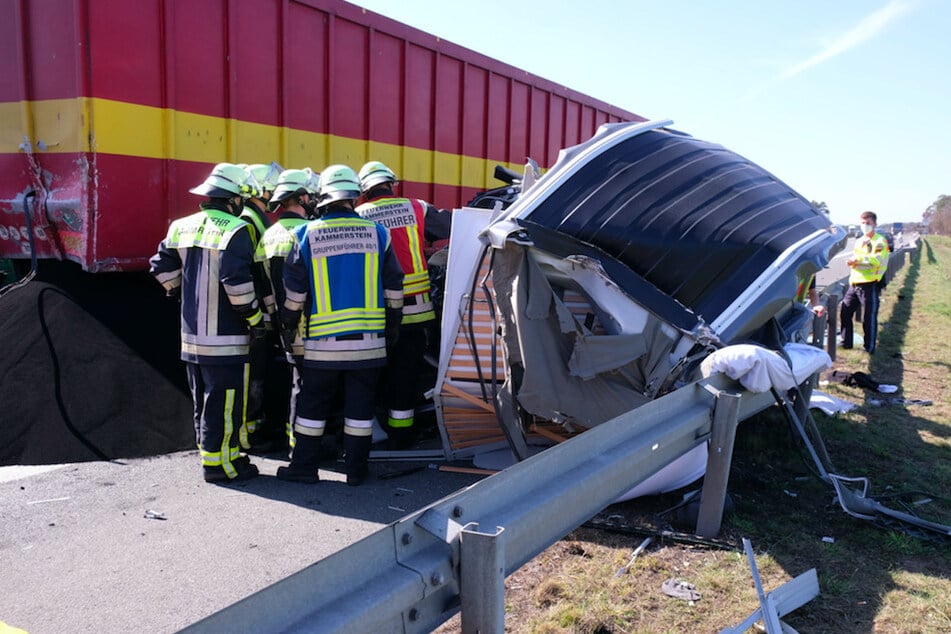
(829, 404)
(758, 368)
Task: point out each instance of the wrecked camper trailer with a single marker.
(605, 284)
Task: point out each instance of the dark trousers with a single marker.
(862, 297)
(404, 366)
(320, 392)
(321, 389)
(281, 390)
(259, 360)
(218, 392)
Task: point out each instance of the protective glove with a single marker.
(258, 337)
(258, 331)
(288, 337)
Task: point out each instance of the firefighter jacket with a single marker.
(871, 255)
(343, 275)
(258, 223)
(206, 258)
(272, 250)
(405, 218)
(253, 214)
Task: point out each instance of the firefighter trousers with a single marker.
(219, 394)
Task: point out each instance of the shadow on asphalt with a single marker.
(379, 500)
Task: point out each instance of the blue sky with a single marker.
(847, 101)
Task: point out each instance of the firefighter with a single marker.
(343, 275)
(205, 261)
(262, 179)
(411, 223)
(296, 197)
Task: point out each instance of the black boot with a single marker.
(356, 453)
(401, 438)
(243, 470)
(303, 466)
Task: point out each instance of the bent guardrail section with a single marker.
(414, 574)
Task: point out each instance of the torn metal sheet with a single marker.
(607, 282)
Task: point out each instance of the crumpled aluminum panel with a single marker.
(696, 221)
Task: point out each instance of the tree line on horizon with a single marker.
(937, 217)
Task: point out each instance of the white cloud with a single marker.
(867, 28)
(870, 26)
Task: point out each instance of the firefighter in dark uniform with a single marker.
(262, 179)
(205, 261)
(295, 196)
(343, 280)
(411, 223)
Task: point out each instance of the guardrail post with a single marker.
(818, 330)
(720, 457)
(832, 312)
(482, 580)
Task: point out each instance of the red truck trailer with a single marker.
(110, 110)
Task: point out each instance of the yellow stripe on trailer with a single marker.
(92, 124)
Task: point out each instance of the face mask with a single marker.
(310, 206)
(867, 228)
(237, 205)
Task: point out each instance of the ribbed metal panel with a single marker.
(694, 219)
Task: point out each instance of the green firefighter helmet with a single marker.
(338, 182)
(266, 176)
(226, 180)
(375, 173)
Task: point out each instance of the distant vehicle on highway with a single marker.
(897, 228)
(855, 231)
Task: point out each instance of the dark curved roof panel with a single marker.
(693, 218)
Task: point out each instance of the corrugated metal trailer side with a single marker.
(110, 110)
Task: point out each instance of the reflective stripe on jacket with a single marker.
(272, 250)
(258, 223)
(209, 255)
(255, 217)
(405, 219)
(342, 273)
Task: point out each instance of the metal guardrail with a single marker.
(414, 574)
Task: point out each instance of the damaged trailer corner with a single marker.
(606, 283)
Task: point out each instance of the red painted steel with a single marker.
(331, 75)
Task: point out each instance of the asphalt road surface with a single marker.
(79, 551)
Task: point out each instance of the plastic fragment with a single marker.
(680, 589)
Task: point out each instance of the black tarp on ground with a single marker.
(71, 390)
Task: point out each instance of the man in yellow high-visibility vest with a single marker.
(868, 262)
